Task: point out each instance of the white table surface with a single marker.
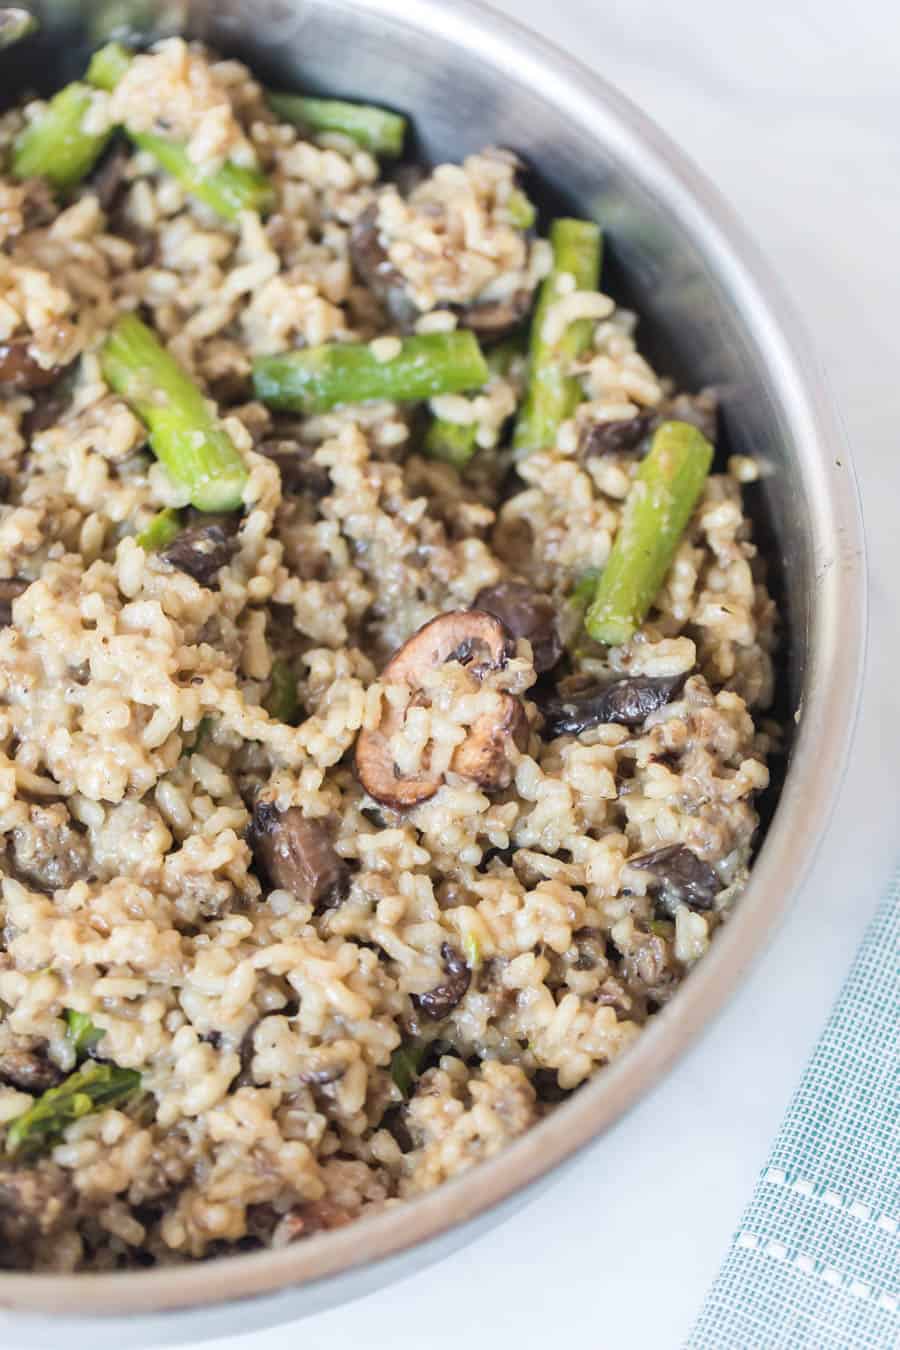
(795, 116)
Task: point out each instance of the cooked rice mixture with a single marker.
(335, 999)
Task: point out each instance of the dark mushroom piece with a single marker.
(5, 487)
(109, 180)
(682, 877)
(631, 435)
(300, 474)
(439, 1003)
(20, 368)
(491, 320)
(626, 701)
(201, 551)
(9, 590)
(479, 642)
(375, 270)
(298, 855)
(525, 613)
(28, 1071)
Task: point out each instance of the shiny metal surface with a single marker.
(711, 316)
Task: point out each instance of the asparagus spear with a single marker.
(456, 442)
(406, 1064)
(55, 145)
(318, 378)
(521, 210)
(553, 395)
(108, 65)
(90, 1088)
(373, 128)
(228, 191)
(282, 702)
(657, 509)
(82, 1032)
(162, 529)
(185, 434)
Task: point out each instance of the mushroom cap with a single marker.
(479, 642)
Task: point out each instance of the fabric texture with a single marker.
(814, 1263)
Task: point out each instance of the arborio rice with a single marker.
(333, 1001)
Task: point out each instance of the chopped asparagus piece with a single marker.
(228, 191)
(55, 145)
(82, 1032)
(552, 393)
(472, 950)
(91, 1088)
(456, 442)
(316, 379)
(108, 65)
(453, 442)
(282, 702)
(375, 129)
(521, 209)
(658, 508)
(162, 529)
(185, 434)
(406, 1064)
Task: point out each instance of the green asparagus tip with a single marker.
(453, 442)
(55, 145)
(282, 702)
(315, 379)
(656, 513)
(162, 529)
(91, 1088)
(406, 1064)
(374, 129)
(82, 1032)
(185, 434)
(108, 65)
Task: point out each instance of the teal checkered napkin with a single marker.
(814, 1264)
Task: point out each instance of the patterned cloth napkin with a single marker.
(814, 1264)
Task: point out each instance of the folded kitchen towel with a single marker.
(814, 1263)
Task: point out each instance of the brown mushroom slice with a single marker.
(439, 1003)
(28, 1071)
(526, 613)
(627, 701)
(496, 319)
(470, 636)
(20, 368)
(476, 640)
(375, 270)
(298, 855)
(9, 590)
(202, 551)
(682, 877)
(483, 756)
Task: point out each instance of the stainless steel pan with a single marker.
(711, 315)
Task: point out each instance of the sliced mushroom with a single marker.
(9, 590)
(109, 180)
(5, 487)
(683, 878)
(490, 319)
(20, 368)
(375, 270)
(298, 855)
(300, 474)
(495, 319)
(526, 613)
(439, 1003)
(622, 436)
(627, 701)
(28, 1071)
(201, 551)
(479, 642)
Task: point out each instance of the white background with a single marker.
(793, 110)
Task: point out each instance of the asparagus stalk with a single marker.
(315, 379)
(228, 191)
(552, 394)
(521, 210)
(282, 702)
(55, 145)
(375, 129)
(456, 442)
(91, 1088)
(82, 1032)
(406, 1064)
(658, 508)
(185, 434)
(108, 65)
(162, 529)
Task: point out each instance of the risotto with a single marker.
(383, 675)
